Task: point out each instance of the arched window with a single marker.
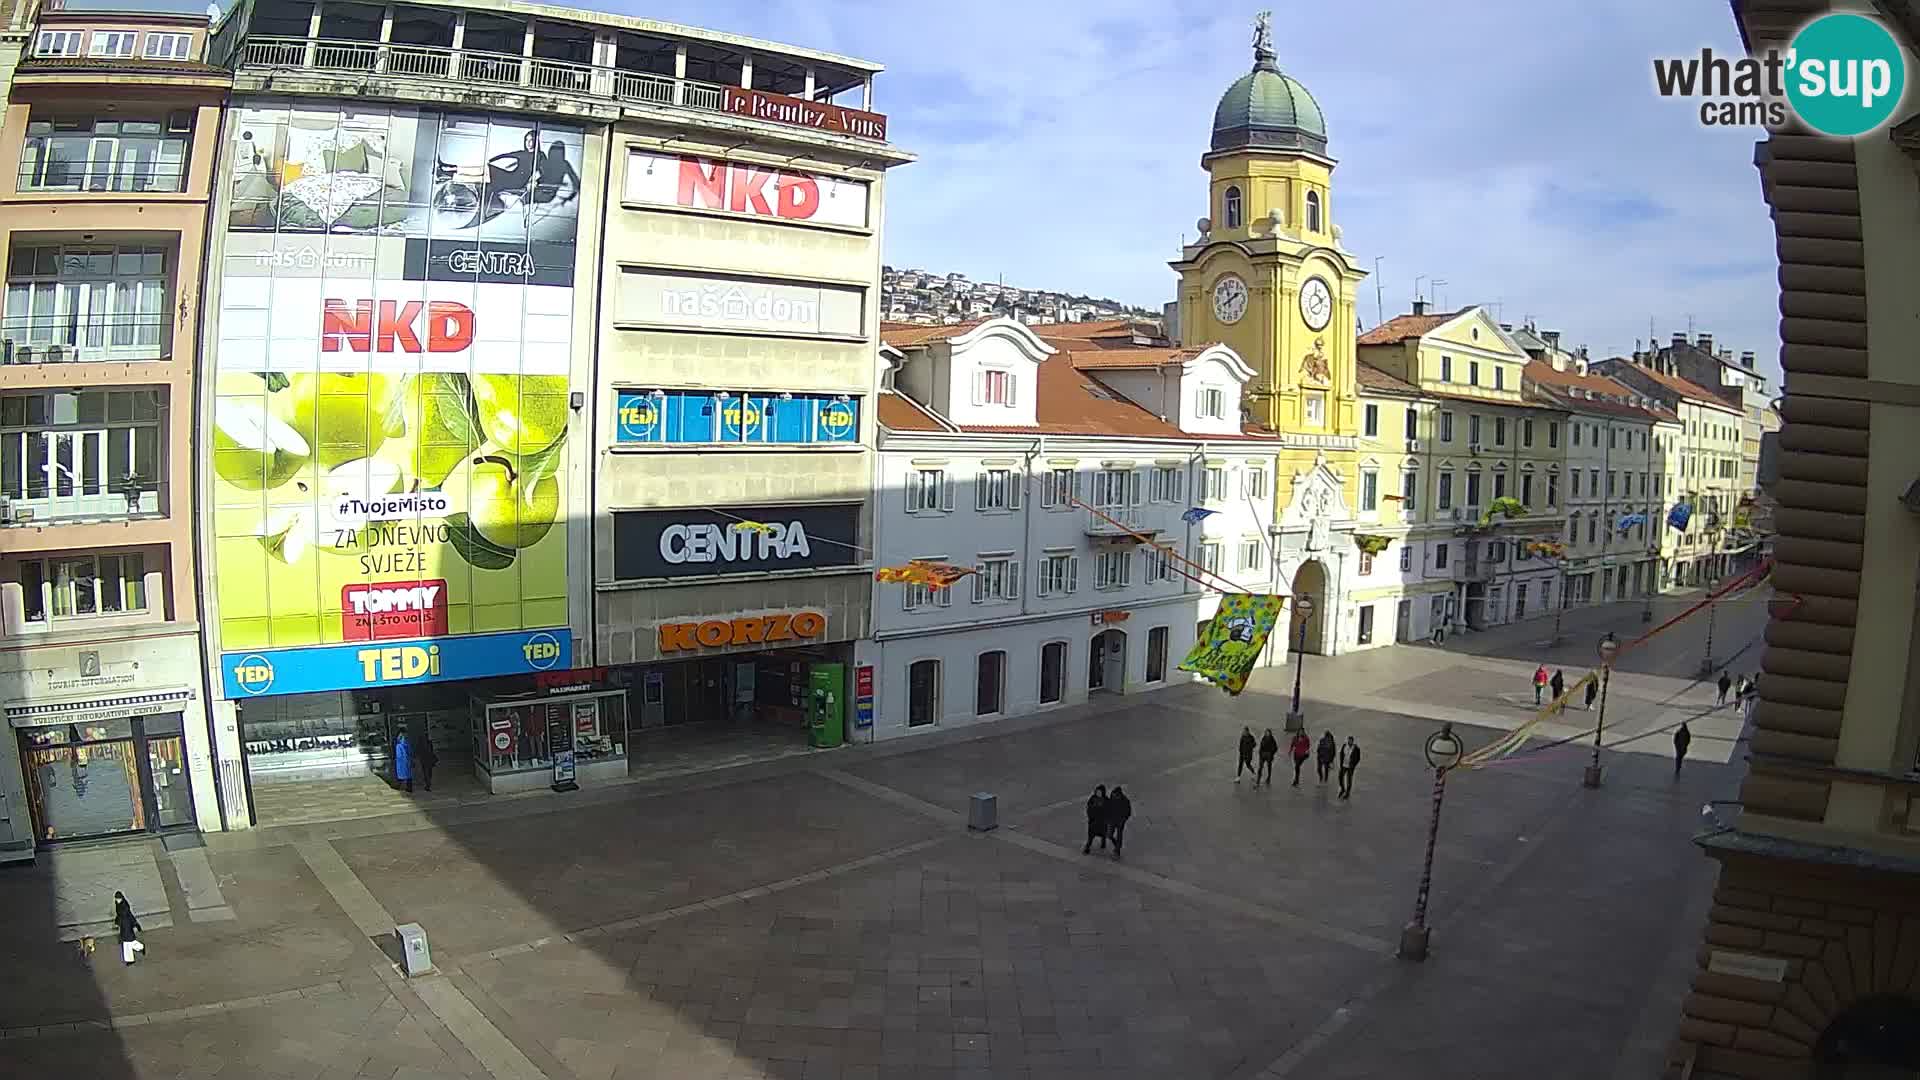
(1232, 209)
(1313, 211)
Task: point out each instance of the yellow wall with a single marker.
(1266, 183)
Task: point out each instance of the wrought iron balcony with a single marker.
(1108, 522)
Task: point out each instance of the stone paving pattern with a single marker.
(829, 918)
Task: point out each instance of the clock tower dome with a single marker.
(1268, 275)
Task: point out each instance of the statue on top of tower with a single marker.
(1263, 35)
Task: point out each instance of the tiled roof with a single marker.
(899, 412)
(1614, 395)
(1070, 402)
(1095, 359)
(1686, 388)
(1085, 330)
(907, 335)
(1372, 378)
(1401, 327)
(49, 65)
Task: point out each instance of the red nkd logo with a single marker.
(413, 326)
(743, 190)
(394, 609)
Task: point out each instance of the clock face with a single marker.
(1316, 303)
(1229, 299)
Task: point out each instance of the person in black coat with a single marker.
(1246, 756)
(1119, 809)
(1593, 691)
(1725, 684)
(1269, 749)
(130, 944)
(1559, 684)
(1682, 738)
(1349, 761)
(425, 757)
(1327, 752)
(1096, 818)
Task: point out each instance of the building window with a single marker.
(1440, 556)
(1613, 437)
(993, 387)
(1053, 671)
(1610, 488)
(1168, 484)
(1365, 635)
(1473, 373)
(1369, 490)
(1446, 426)
(168, 46)
(58, 43)
(1526, 488)
(1406, 558)
(1473, 429)
(923, 693)
(1366, 563)
(1059, 574)
(1159, 564)
(1409, 492)
(1370, 418)
(1473, 489)
(1157, 654)
(1210, 557)
(1576, 483)
(1253, 555)
(1446, 369)
(1256, 482)
(92, 453)
(1575, 428)
(996, 578)
(1060, 489)
(1313, 211)
(113, 43)
(1573, 528)
(989, 692)
(1553, 489)
(106, 153)
(1445, 498)
(1496, 553)
(86, 303)
(914, 597)
(997, 489)
(1213, 404)
(1113, 570)
(1499, 431)
(1499, 377)
(1216, 484)
(1413, 422)
(1231, 210)
(929, 491)
(1643, 485)
(1553, 434)
(1317, 410)
(1114, 489)
(1593, 482)
(1499, 484)
(82, 585)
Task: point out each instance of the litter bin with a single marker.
(415, 957)
(983, 813)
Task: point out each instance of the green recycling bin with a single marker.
(827, 705)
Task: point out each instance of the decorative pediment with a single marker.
(1317, 496)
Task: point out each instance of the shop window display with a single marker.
(521, 735)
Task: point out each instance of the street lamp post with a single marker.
(1303, 611)
(1443, 753)
(1706, 662)
(1608, 648)
(1560, 608)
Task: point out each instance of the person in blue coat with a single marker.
(403, 762)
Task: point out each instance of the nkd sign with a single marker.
(695, 541)
(737, 188)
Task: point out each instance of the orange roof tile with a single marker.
(1372, 378)
(1085, 330)
(1614, 396)
(1686, 388)
(899, 412)
(907, 335)
(1135, 357)
(1401, 327)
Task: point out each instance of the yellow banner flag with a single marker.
(1231, 643)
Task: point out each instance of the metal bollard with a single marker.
(983, 813)
(415, 957)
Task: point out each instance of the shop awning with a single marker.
(94, 709)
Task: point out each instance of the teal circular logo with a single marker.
(1845, 74)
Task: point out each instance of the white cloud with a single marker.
(1515, 148)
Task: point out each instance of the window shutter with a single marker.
(979, 387)
(906, 597)
(1137, 482)
(946, 492)
(1013, 386)
(912, 488)
(980, 491)
(979, 582)
(1016, 485)
(1013, 579)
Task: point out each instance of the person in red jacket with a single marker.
(1300, 748)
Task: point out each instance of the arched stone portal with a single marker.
(1311, 580)
(1878, 1036)
(1107, 662)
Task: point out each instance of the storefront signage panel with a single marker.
(358, 666)
(706, 417)
(389, 431)
(767, 628)
(738, 188)
(694, 541)
(799, 112)
(709, 302)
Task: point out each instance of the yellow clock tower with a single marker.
(1268, 276)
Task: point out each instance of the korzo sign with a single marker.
(748, 539)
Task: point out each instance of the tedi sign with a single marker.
(1843, 75)
(746, 539)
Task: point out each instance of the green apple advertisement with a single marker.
(389, 434)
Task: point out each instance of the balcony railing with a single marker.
(1128, 518)
(443, 63)
(75, 498)
(83, 339)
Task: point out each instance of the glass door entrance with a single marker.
(107, 777)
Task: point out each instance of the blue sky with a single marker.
(1514, 148)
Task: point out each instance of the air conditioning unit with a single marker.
(6, 511)
(1473, 448)
(1413, 445)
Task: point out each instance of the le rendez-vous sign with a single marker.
(781, 109)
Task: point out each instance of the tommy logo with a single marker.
(393, 610)
(396, 326)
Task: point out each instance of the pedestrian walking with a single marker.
(425, 757)
(403, 762)
(1559, 684)
(1539, 682)
(1593, 691)
(1726, 684)
(1299, 749)
(1327, 752)
(1119, 809)
(1096, 818)
(130, 944)
(1682, 738)
(1269, 749)
(1246, 756)
(1349, 761)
